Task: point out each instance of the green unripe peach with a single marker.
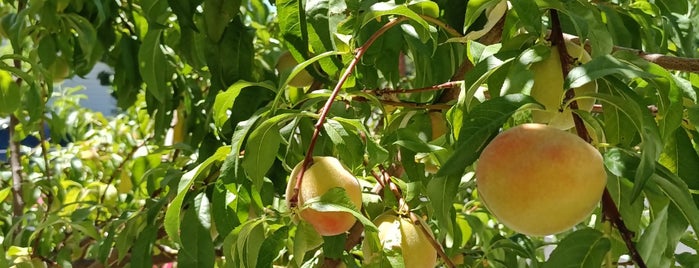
(324, 174)
(60, 70)
(539, 180)
(398, 233)
(548, 89)
(286, 63)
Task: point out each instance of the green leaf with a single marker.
(184, 9)
(442, 191)
(230, 59)
(305, 239)
(651, 146)
(427, 8)
(249, 244)
(153, 65)
(475, 8)
(261, 150)
(293, 26)
(654, 239)
(224, 100)
(681, 158)
(381, 9)
(222, 212)
(600, 67)
(172, 215)
(479, 126)
(528, 12)
(217, 16)
(584, 248)
(155, 11)
(346, 142)
(10, 95)
(678, 193)
(142, 250)
(272, 247)
(334, 246)
(336, 199)
(197, 246)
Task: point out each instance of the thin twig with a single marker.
(668, 62)
(417, 105)
(444, 85)
(308, 160)
(611, 213)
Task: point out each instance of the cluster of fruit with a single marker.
(537, 179)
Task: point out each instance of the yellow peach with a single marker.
(539, 180)
(324, 174)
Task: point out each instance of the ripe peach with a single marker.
(539, 180)
(401, 234)
(548, 88)
(325, 173)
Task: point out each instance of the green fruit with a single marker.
(325, 173)
(548, 89)
(60, 70)
(286, 63)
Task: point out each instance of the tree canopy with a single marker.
(194, 167)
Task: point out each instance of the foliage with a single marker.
(193, 170)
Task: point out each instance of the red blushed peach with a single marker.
(324, 174)
(539, 180)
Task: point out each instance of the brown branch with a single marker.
(665, 61)
(611, 213)
(16, 167)
(444, 85)
(451, 31)
(308, 160)
(417, 105)
(609, 208)
(566, 61)
(15, 163)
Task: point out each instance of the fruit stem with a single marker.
(609, 209)
(308, 160)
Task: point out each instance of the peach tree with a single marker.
(196, 167)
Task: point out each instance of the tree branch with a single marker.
(16, 167)
(665, 61)
(308, 160)
(609, 208)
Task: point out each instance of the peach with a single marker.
(548, 89)
(324, 174)
(286, 63)
(539, 180)
(399, 233)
